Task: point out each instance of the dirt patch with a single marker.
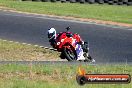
(19, 52)
(70, 18)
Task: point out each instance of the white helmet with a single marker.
(51, 33)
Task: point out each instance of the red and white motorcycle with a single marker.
(67, 43)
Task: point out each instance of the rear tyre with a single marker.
(106, 1)
(37, 0)
(129, 2)
(45, 0)
(100, 1)
(63, 1)
(72, 1)
(120, 3)
(26, 0)
(91, 1)
(110, 2)
(82, 1)
(125, 1)
(53, 0)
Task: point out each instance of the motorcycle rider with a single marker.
(52, 37)
(80, 47)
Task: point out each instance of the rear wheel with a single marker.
(129, 2)
(45, 0)
(63, 1)
(91, 1)
(53, 0)
(100, 1)
(82, 1)
(72, 1)
(120, 2)
(88, 58)
(110, 2)
(37, 0)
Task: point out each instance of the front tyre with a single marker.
(69, 54)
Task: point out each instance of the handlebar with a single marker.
(68, 28)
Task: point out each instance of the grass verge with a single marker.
(55, 75)
(13, 51)
(114, 13)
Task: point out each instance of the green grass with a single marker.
(14, 51)
(55, 75)
(47, 75)
(95, 11)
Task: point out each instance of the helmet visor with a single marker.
(50, 35)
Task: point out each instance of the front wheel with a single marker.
(69, 54)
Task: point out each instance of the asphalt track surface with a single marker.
(108, 44)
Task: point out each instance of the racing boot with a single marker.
(88, 58)
(93, 61)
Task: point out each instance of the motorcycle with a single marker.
(67, 45)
